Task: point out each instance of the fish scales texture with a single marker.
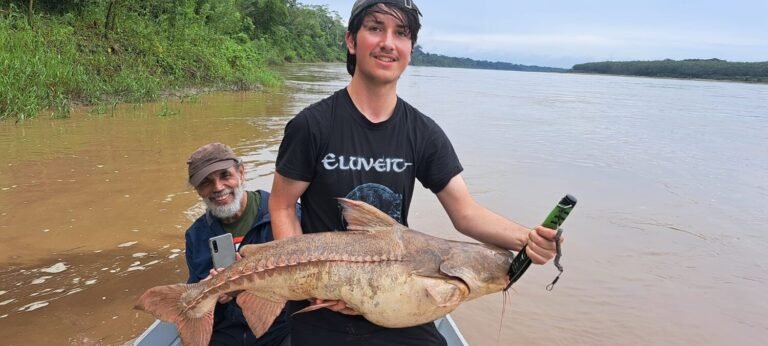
(394, 276)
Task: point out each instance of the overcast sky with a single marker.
(561, 33)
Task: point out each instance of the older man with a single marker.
(218, 176)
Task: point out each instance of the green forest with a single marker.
(60, 53)
(692, 68)
(57, 53)
(421, 58)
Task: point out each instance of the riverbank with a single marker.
(108, 52)
(61, 63)
(692, 69)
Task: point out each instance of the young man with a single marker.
(366, 143)
(218, 177)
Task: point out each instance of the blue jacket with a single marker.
(229, 324)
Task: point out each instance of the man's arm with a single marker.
(475, 221)
(282, 206)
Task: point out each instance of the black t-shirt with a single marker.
(342, 154)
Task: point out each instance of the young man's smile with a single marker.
(382, 46)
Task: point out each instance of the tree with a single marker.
(29, 14)
(266, 14)
(109, 21)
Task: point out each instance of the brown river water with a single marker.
(665, 245)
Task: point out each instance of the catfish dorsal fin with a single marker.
(362, 216)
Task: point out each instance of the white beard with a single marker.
(228, 210)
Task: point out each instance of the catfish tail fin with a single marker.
(177, 304)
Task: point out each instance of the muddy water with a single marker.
(93, 209)
(664, 246)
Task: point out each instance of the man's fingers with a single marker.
(330, 303)
(542, 242)
(213, 272)
(336, 305)
(540, 250)
(341, 307)
(546, 233)
(349, 311)
(536, 255)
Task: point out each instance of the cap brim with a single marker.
(200, 175)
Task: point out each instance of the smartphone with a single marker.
(222, 250)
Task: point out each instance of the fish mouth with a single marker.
(512, 275)
(509, 277)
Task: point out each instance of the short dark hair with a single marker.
(407, 16)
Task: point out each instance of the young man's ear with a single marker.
(350, 40)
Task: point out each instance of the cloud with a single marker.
(490, 40)
(581, 40)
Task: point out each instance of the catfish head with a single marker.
(483, 268)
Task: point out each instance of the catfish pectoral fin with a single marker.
(259, 312)
(446, 292)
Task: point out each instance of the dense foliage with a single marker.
(421, 58)
(693, 68)
(56, 52)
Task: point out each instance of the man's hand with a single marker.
(224, 298)
(541, 244)
(335, 305)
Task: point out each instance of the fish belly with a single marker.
(387, 294)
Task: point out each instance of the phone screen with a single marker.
(222, 250)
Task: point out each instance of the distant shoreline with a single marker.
(690, 69)
(698, 69)
(422, 58)
(674, 78)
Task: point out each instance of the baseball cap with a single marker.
(363, 4)
(208, 159)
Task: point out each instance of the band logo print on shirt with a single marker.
(354, 163)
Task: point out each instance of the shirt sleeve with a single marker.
(440, 162)
(189, 253)
(295, 158)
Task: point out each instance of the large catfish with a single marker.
(394, 276)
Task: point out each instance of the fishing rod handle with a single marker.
(554, 220)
